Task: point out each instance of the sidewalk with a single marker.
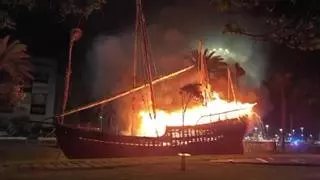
(275, 160)
(89, 164)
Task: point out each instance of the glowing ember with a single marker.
(194, 115)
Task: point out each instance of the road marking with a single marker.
(262, 160)
(294, 160)
(298, 160)
(221, 160)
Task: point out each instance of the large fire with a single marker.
(215, 110)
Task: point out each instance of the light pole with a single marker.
(255, 133)
(267, 131)
(310, 136)
(302, 134)
(282, 141)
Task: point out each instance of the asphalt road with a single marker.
(260, 167)
(41, 162)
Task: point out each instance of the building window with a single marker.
(38, 104)
(41, 77)
(24, 104)
(27, 86)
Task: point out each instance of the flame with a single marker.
(215, 110)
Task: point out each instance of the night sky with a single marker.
(46, 37)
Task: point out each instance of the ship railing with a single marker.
(218, 114)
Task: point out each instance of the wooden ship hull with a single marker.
(222, 137)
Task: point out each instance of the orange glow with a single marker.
(194, 115)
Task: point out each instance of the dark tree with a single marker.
(294, 23)
(15, 65)
(62, 8)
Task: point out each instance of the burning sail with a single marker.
(216, 109)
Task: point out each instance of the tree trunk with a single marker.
(67, 81)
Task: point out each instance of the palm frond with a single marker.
(3, 44)
(16, 47)
(214, 63)
(210, 55)
(193, 89)
(14, 60)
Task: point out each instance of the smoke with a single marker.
(109, 57)
(174, 32)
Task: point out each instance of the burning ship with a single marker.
(205, 124)
(210, 134)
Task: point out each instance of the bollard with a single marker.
(183, 161)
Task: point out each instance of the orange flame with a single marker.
(215, 110)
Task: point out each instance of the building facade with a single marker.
(39, 94)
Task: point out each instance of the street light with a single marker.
(282, 139)
(281, 130)
(302, 128)
(267, 129)
(293, 131)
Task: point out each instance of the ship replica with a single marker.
(220, 132)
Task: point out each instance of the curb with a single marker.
(266, 163)
(280, 164)
(62, 165)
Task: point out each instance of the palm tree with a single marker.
(188, 93)
(219, 68)
(215, 64)
(75, 35)
(14, 63)
(14, 59)
(280, 84)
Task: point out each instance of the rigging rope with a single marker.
(120, 95)
(231, 85)
(142, 52)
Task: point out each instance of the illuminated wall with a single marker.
(39, 99)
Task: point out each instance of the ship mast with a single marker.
(142, 59)
(142, 54)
